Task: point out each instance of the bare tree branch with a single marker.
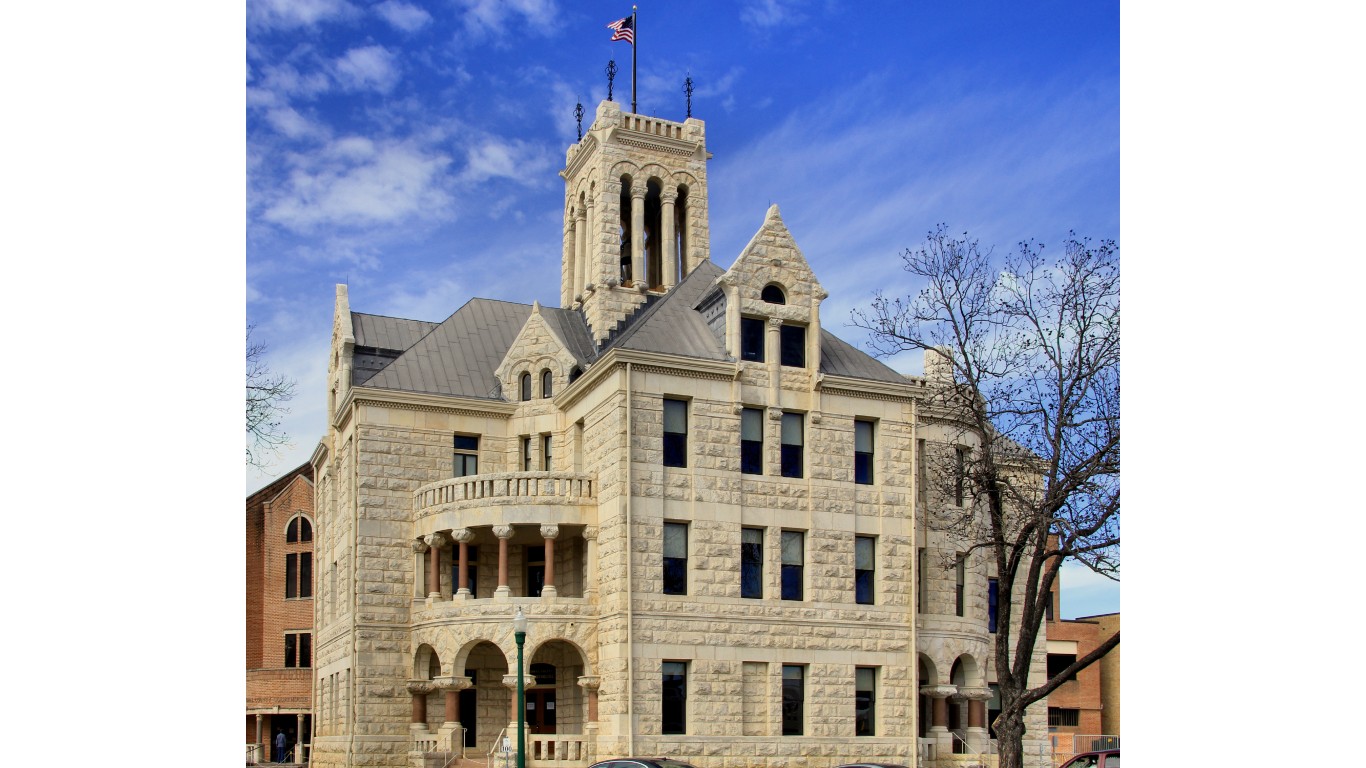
(265, 393)
(1025, 392)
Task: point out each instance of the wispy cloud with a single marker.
(503, 18)
(289, 14)
(403, 16)
(369, 68)
(767, 14)
(494, 157)
(355, 181)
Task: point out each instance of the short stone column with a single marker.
(978, 735)
(503, 532)
(299, 738)
(640, 278)
(581, 246)
(419, 576)
(419, 689)
(549, 532)
(939, 717)
(773, 349)
(590, 539)
(260, 745)
(435, 541)
(510, 681)
(463, 537)
(590, 684)
(449, 734)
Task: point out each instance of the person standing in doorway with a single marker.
(279, 746)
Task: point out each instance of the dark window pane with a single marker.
(306, 650)
(993, 595)
(674, 695)
(675, 559)
(751, 339)
(864, 712)
(545, 453)
(863, 452)
(466, 442)
(792, 582)
(290, 646)
(305, 529)
(793, 695)
(863, 468)
(306, 574)
(751, 563)
(526, 386)
(752, 441)
(546, 383)
(791, 452)
(1057, 662)
(793, 338)
(291, 576)
(863, 569)
(773, 295)
(675, 433)
(792, 461)
(292, 531)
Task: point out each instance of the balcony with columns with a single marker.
(485, 542)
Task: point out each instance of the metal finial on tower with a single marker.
(611, 75)
(578, 117)
(687, 90)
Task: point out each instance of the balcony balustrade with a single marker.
(475, 500)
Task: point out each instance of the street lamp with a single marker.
(519, 633)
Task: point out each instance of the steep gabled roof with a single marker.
(671, 325)
(840, 358)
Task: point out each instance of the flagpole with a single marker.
(635, 38)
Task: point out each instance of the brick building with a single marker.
(280, 532)
(1083, 713)
(705, 503)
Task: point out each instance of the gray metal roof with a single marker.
(840, 358)
(671, 325)
(573, 331)
(382, 332)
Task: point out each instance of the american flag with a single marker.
(623, 29)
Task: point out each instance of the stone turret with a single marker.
(635, 214)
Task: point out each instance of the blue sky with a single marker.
(410, 149)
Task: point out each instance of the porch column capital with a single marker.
(502, 531)
(510, 681)
(419, 545)
(550, 530)
(974, 694)
(462, 535)
(590, 532)
(435, 540)
(420, 687)
(590, 682)
(939, 691)
(452, 683)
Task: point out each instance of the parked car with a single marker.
(1105, 758)
(642, 762)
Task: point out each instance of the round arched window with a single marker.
(526, 386)
(772, 294)
(299, 529)
(546, 383)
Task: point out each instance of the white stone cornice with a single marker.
(417, 401)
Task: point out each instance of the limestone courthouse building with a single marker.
(704, 503)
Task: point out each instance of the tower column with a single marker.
(580, 252)
(773, 351)
(435, 541)
(639, 278)
(668, 238)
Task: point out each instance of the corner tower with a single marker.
(635, 213)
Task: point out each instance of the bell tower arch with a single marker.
(635, 214)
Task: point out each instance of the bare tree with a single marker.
(1025, 372)
(265, 393)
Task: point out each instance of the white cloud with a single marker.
(494, 157)
(355, 181)
(369, 68)
(289, 122)
(771, 13)
(496, 17)
(408, 18)
(288, 14)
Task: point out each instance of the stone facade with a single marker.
(279, 616)
(662, 475)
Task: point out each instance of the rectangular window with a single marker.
(793, 695)
(675, 559)
(752, 339)
(793, 346)
(960, 575)
(960, 471)
(466, 455)
(863, 452)
(1059, 717)
(863, 569)
(920, 580)
(291, 576)
(545, 453)
(752, 441)
(751, 563)
(1057, 662)
(305, 574)
(792, 445)
(993, 594)
(298, 649)
(675, 433)
(674, 698)
(794, 545)
(865, 701)
(526, 453)
(1048, 608)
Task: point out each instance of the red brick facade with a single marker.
(280, 695)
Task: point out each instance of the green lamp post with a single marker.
(519, 633)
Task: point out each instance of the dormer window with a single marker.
(752, 339)
(526, 386)
(793, 346)
(545, 383)
(773, 294)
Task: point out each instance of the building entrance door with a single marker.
(468, 718)
(540, 710)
